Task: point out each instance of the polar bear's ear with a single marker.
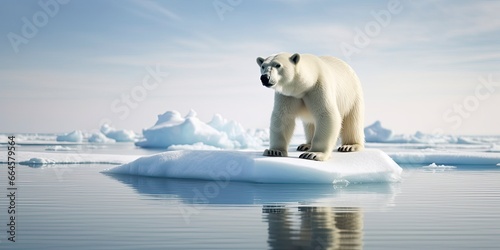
(295, 58)
(260, 60)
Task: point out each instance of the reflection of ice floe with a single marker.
(370, 196)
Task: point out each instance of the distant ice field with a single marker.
(186, 147)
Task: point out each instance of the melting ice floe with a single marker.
(370, 165)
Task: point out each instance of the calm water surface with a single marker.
(78, 207)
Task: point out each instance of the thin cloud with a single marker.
(150, 10)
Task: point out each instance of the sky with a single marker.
(429, 66)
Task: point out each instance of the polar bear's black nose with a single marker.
(265, 80)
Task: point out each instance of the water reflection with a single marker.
(298, 216)
(368, 196)
(316, 228)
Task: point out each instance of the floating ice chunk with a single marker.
(75, 136)
(172, 129)
(51, 158)
(370, 165)
(377, 133)
(58, 148)
(37, 162)
(494, 148)
(100, 138)
(467, 140)
(118, 135)
(447, 158)
(340, 183)
(434, 166)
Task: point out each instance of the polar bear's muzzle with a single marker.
(265, 80)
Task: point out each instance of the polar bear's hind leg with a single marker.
(353, 136)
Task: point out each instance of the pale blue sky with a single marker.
(420, 66)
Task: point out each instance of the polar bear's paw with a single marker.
(350, 148)
(317, 156)
(275, 152)
(304, 147)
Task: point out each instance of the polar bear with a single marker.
(324, 92)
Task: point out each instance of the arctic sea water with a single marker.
(447, 198)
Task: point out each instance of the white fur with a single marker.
(325, 93)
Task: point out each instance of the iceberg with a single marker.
(100, 138)
(75, 136)
(122, 135)
(173, 130)
(370, 165)
(377, 133)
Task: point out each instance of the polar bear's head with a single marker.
(279, 71)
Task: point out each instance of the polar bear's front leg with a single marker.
(282, 127)
(282, 124)
(326, 132)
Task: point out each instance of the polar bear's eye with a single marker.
(262, 66)
(277, 65)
